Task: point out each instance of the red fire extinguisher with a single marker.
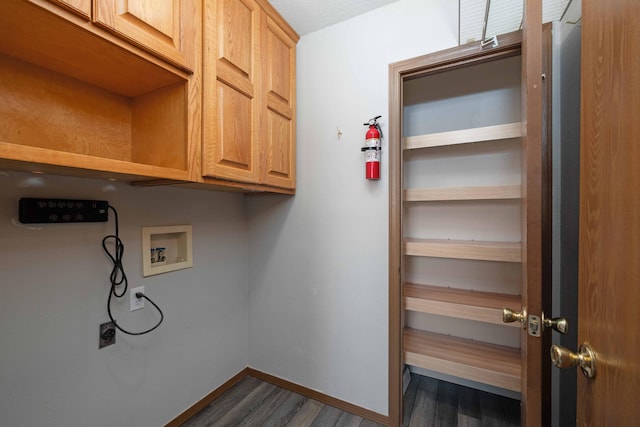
(372, 148)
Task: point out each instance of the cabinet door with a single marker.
(80, 7)
(164, 27)
(278, 154)
(231, 90)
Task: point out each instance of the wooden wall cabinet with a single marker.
(114, 89)
(76, 100)
(165, 28)
(248, 94)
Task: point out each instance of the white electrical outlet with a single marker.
(136, 303)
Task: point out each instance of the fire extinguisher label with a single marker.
(372, 156)
(372, 142)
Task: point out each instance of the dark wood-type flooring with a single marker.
(427, 402)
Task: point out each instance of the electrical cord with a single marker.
(118, 277)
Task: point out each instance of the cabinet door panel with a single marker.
(278, 67)
(235, 139)
(278, 74)
(164, 27)
(231, 98)
(80, 7)
(278, 153)
(236, 38)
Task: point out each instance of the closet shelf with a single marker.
(465, 136)
(464, 249)
(472, 360)
(459, 303)
(492, 192)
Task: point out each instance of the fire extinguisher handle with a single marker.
(373, 122)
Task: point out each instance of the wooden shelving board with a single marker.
(462, 249)
(492, 192)
(459, 303)
(465, 136)
(491, 364)
(30, 159)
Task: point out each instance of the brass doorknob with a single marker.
(585, 359)
(560, 324)
(510, 316)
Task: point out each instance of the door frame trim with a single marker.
(462, 56)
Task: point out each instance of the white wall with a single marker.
(53, 293)
(319, 261)
(316, 309)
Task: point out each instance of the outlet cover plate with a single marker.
(136, 303)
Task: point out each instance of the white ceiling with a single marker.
(504, 16)
(306, 16)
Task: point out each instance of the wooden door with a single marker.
(278, 144)
(165, 27)
(231, 90)
(536, 292)
(609, 252)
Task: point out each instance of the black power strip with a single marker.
(42, 211)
